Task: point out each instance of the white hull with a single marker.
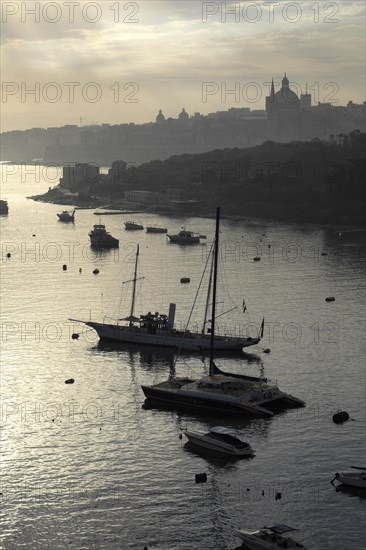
(216, 445)
(352, 479)
(251, 541)
(165, 338)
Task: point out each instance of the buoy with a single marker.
(64, 267)
(330, 299)
(340, 417)
(96, 271)
(278, 495)
(267, 350)
(75, 335)
(8, 255)
(185, 280)
(69, 381)
(257, 259)
(180, 436)
(201, 478)
(80, 270)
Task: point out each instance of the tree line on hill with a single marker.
(316, 181)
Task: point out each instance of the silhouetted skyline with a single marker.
(94, 63)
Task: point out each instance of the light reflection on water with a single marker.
(87, 466)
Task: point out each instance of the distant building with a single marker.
(160, 118)
(79, 173)
(286, 117)
(183, 116)
(283, 112)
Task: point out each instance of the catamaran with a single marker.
(220, 391)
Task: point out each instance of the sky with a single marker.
(83, 62)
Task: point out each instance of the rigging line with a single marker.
(194, 302)
(232, 301)
(225, 284)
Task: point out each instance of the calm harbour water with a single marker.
(85, 466)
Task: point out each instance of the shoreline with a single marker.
(122, 207)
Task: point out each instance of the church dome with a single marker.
(183, 115)
(160, 117)
(285, 97)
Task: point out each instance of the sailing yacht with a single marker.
(156, 329)
(220, 391)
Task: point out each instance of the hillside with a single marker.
(317, 181)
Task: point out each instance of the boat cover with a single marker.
(216, 370)
(280, 529)
(221, 430)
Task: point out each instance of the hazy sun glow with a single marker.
(169, 49)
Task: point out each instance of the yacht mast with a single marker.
(216, 249)
(208, 294)
(134, 287)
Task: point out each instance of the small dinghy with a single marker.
(353, 479)
(270, 537)
(220, 439)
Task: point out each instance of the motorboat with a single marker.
(4, 208)
(220, 439)
(66, 216)
(185, 237)
(220, 391)
(133, 226)
(100, 238)
(270, 537)
(353, 479)
(157, 329)
(156, 229)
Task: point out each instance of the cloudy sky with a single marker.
(116, 62)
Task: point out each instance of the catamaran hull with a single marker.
(135, 336)
(184, 400)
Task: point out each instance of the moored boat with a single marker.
(100, 238)
(270, 537)
(156, 329)
(133, 226)
(220, 440)
(220, 391)
(185, 237)
(4, 208)
(156, 229)
(353, 479)
(66, 216)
